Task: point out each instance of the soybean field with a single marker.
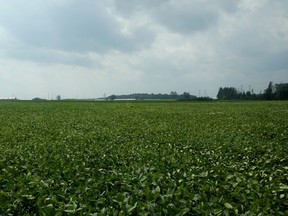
(144, 158)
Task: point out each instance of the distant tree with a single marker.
(186, 95)
(58, 97)
(227, 93)
(152, 96)
(248, 95)
(38, 99)
(268, 93)
(220, 94)
(232, 94)
(173, 95)
(242, 95)
(112, 97)
(281, 91)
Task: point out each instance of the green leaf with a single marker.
(71, 207)
(203, 174)
(228, 205)
(157, 189)
(3, 197)
(132, 208)
(29, 197)
(197, 197)
(183, 212)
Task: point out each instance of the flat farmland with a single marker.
(144, 158)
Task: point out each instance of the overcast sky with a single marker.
(88, 48)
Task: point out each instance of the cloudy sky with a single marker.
(89, 48)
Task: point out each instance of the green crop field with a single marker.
(144, 158)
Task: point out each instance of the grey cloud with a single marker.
(186, 21)
(194, 15)
(275, 62)
(257, 40)
(88, 27)
(183, 16)
(73, 26)
(247, 43)
(128, 7)
(48, 57)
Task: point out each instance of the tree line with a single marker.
(185, 96)
(272, 92)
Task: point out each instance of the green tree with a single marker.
(173, 94)
(281, 91)
(186, 95)
(112, 97)
(248, 95)
(220, 94)
(268, 93)
(227, 93)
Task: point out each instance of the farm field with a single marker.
(144, 158)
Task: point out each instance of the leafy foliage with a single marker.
(273, 92)
(156, 158)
